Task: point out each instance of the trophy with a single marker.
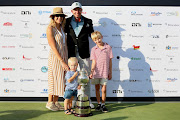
(82, 104)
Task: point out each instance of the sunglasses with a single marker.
(59, 15)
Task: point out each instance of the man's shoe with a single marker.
(98, 108)
(104, 109)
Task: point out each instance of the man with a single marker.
(78, 29)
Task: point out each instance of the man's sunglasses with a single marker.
(59, 15)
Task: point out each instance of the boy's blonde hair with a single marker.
(96, 35)
(72, 59)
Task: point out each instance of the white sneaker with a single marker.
(92, 106)
(51, 106)
(59, 106)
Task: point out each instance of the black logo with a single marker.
(25, 13)
(117, 91)
(136, 24)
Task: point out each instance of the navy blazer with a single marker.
(81, 40)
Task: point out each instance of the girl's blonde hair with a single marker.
(95, 35)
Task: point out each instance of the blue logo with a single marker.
(45, 91)
(43, 35)
(44, 69)
(149, 24)
(43, 12)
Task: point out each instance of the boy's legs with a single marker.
(103, 93)
(97, 87)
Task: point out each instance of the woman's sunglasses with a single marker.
(59, 15)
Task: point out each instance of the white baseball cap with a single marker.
(76, 5)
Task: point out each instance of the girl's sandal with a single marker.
(72, 111)
(67, 112)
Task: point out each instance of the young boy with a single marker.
(101, 68)
(71, 85)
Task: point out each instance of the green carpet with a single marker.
(117, 111)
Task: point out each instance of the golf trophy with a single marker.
(82, 104)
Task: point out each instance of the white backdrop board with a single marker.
(144, 40)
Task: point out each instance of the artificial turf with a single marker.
(117, 111)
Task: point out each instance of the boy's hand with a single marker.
(109, 76)
(79, 87)
(90, 76)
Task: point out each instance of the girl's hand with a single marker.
(109, 76)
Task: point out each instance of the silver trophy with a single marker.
(82, 104)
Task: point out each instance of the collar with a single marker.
(80, 20)
(105, 46)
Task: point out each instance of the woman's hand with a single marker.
(65, 66)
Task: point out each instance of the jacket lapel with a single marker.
(84, 26)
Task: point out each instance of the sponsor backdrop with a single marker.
(144, 40)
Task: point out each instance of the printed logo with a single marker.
(25, 13)
(171, 79)
(176, 13)
(171, 48)
(8, 58)
(43, 35)
(153, 70)
(7, 24)
(40, 12)
(117, 91)
(136, 47)
(153, 91)
(155, 36)
(135, 58)
(26, 35)
(45, 91)
(134, 13)
(44, 69)
(8, 69)
(24, 58)
(136, 25)
(118, 12)
(8, 46)
(155, 14)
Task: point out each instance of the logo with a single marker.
(118, 12)
(150, 80)
(22, 46)
(170, 91)
(8, 58)
(6, 91)
(136, 36)
(45, 91)
(155, 36)
(7, 24)
(136, 47)
(43, 24)
(176, 13)
(25, 23)
(41, 80)
(43, 35)
(137, 70)
(170, 69)
(134, 13)
(8, 46)
(26, 35)
(44, 69)
(155, 14)
(136, 25)
(168, 36)
(7, 80)
(135, 58)
(27, 69)
(135, 80)
(27, 90)
(118, 35)
(135, 91)
(171, 79)
(150, 24)
(24, 58)
(8, 69)
(153, 70)
(172, 25)
(25, 13)
(118, 24)
(26, 80)
(42, 58)
(40, 12)
(8, 35)
(9, 13)
(105, 13)
(153, 91)
(150, 58)
(117, 69)
(171, 48)
(117, 91)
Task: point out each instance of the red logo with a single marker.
(153, 70)
(7, 24)
(136, 47)
(24, 58)
(8, 69)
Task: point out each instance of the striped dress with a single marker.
(56, 74)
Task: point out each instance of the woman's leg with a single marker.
(55, 98)
(50, 98)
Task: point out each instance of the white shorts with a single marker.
(102, 81)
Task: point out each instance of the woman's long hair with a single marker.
(53, 23)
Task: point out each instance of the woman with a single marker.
(57, 61)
